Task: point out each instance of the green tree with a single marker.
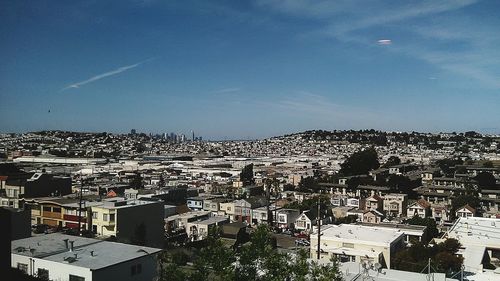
(173, 272)
(447, 165)
(258, 260)
(392, 161)
(288, 187)
(462, 200)
(488, 164)
(309, 184)
(443, 257)
(246, 175)
(136, 181)
(431, 231)
(180, 258)
(359, 163)
(403, 184)
(485, 179)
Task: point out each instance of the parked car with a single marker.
(40, 228)
(301, 235)
(287, 231)
(302, 242)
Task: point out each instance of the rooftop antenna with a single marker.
(430, 275)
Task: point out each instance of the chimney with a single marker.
(71, 245)
(66, 243)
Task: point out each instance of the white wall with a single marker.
(57, 271)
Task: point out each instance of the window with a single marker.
(76, 278)
(23, 267)
(348, 245)
(56, 210)
(47, 209)
(43, 274)
(112, 217)
(94, 215)
(105, 217)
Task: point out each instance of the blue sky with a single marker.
(249, 69)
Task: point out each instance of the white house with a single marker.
(64, 257)
(420, 208)
(286, 218)
(357, 243)
(305, 221)
(465, 212)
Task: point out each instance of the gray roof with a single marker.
(52, 247)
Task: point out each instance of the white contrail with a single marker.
(104, 75)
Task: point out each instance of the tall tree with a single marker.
(136, 181)
(392, 161)
(257, 260)
(485, 180)
(246, 175)
(359, 163)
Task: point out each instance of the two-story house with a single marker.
(419, 208)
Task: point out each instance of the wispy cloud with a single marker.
(425, 30)
(104, 75)
(384, 42)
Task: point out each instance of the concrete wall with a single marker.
(58, 271)
(130, 218)
(122, 271)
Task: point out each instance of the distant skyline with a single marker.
(249, 69)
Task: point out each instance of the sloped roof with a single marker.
(472, 210)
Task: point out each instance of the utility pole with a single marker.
(80, 208)
(429, 276)
(319, 227)
(268, 197)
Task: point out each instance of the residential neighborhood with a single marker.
(176, 195)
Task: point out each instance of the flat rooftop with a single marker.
(90, 253)
(352, 233)
(188, 215)
(405, 228)
(476, 231)
(354, 272)
(211, 220)
(120, 203)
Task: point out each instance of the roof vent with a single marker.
(20, 249)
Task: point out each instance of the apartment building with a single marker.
(62, 257)
(357, 243)
(395, 204)
(128, 219)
